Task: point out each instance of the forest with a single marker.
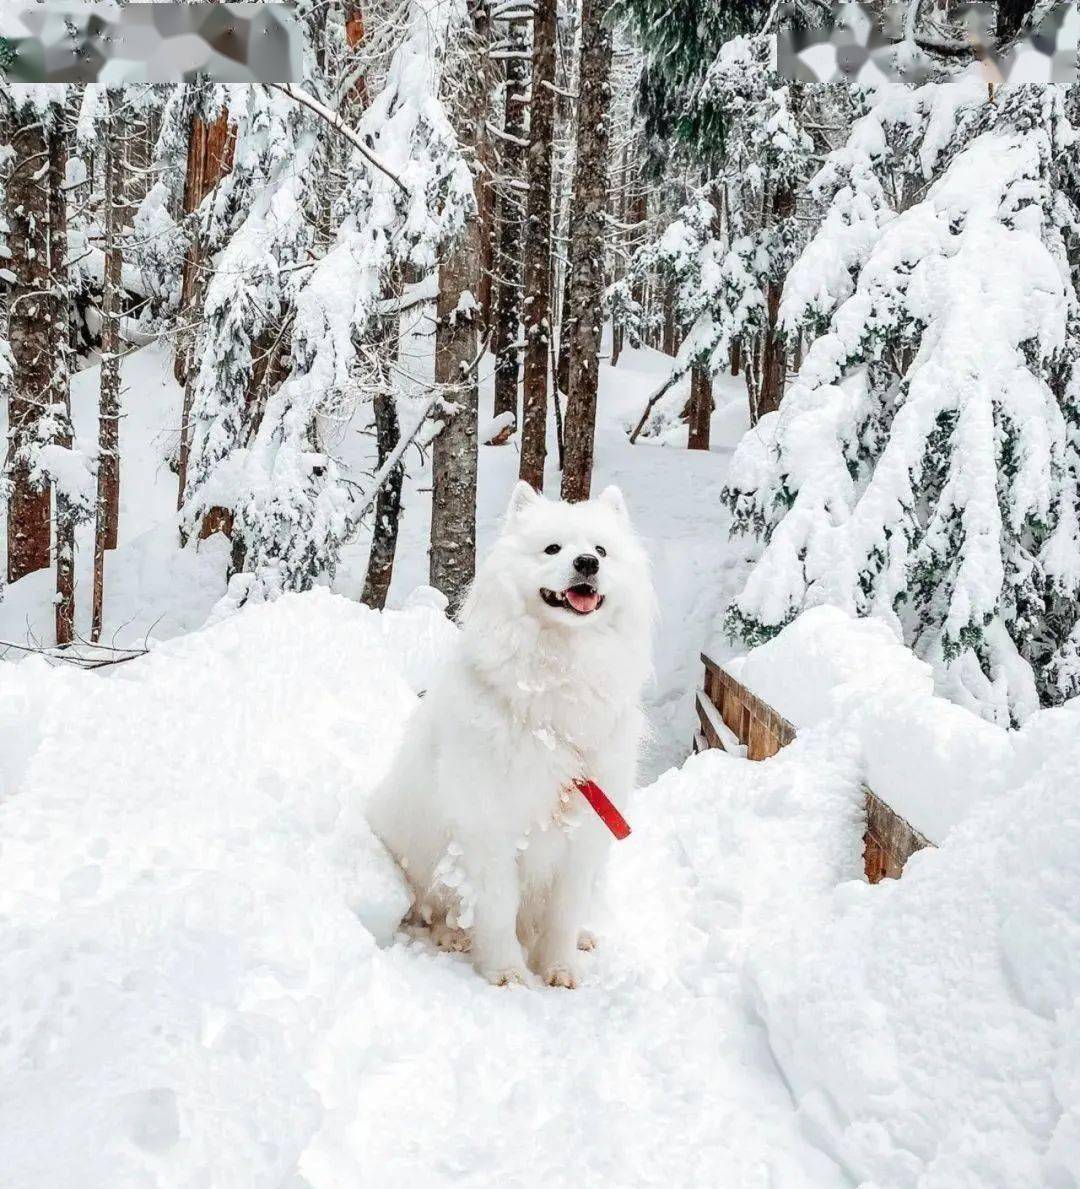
(273, 359)
(458, 199)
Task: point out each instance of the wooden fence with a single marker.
(735, 719)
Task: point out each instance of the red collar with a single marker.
(604, 808)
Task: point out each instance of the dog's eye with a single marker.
(601, 550)
(553, 549)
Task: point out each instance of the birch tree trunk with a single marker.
(510, 227)
(454, 453)
(107, 511)
(537, 262)
(27, 209)
(588, 227)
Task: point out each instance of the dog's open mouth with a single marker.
(582, 599)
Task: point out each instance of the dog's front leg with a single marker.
(496, 951)
(557, 958)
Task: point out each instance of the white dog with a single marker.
(481, 809)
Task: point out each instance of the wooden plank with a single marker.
(700, 743)
(738, 705)
(759, 744)
(716, 728)
(707, 728)
(889, 841)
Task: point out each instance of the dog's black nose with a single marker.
(587, 564)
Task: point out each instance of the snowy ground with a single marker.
(192, 907)
(202, 983)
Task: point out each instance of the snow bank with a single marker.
(201, 984)
(928, 1028)
(926, 757)
(190, 898)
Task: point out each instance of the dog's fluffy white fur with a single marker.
(479, 808)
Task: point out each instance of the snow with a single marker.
(202, 981)
(930, 760)
(927, 1028)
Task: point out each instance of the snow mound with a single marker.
(190, 895)
(926, 757)
(928, 1027)
(202, 982)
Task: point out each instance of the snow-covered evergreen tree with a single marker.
(923, 468)
(313, 267)
(729, 247)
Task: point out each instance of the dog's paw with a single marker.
(454, 941)
(562, 974)
(586, 941)
(506, 976)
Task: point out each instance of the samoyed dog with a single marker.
(481, 807)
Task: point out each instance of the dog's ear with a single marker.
(521, 497)
(612, 497)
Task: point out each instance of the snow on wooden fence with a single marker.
(736, 720)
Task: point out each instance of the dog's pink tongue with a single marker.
(582, 603)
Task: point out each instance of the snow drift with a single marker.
(203, 983)
(190, 897)
(927, 1027)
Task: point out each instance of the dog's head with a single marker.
(571, 565)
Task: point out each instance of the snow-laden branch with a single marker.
(339, 125)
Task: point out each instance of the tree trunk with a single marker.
(210, 154)
(616, 343)
(588, 227)
(637, 214)
(380, 568)
(537, 256)
(107, 517)
(27, 210)
(736, 356)
(485, 172)
(774, 350)
(454, 453)
(623, 207)
(60, 394)
(507, 315)
(568, 321)
(669, 342)
(384, 535)
(701, 407)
